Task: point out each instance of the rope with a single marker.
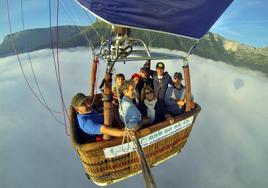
(20, 63)
(56, 63)
(68, 13)
(84, 34)
(51, 43)
(145, 168)
(53, 56)
(146, 171)
(148, 36)
(129, 134)
(64, 110)
(90, 19)
(32, 69)
(82, 31)
(191, 50)
(124, 121)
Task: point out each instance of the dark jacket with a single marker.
(160, 111)
(161, 85)
(143, 83)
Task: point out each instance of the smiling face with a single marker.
(119, 81)
(149, 94)
(177, 82)
(160, 71)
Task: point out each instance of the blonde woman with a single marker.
(153, 108)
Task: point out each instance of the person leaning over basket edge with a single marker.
(89, 120)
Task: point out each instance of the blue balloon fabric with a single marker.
(189, 18)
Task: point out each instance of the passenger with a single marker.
(161, 79)
(153, 108)
(144, 80)
(119, 81)
(117, 90)
(136, 78)
(129, 113)
(89, 120)
(175, 96)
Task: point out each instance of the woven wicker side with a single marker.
(106, 171)
(110, 170)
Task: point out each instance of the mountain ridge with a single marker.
(212, 46)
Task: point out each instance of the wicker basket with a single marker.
(104, 169)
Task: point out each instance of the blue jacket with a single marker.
(90, 123)
(129, 112)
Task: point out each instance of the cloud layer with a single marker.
(228, 146)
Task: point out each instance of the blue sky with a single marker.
(245, 21)
(36, 14)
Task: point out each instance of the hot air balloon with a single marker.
(112, 160)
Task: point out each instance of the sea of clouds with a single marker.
(228, 146)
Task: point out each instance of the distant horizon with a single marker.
(1, 41)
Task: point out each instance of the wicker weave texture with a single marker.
(103, 170)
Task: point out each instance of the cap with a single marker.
(160, 65)
(177, 75)
(135, 75)
(78, 99)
